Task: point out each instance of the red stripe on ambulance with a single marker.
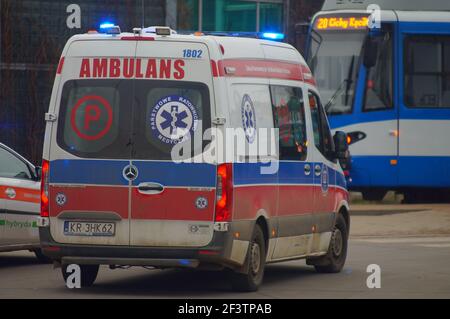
(260, 69)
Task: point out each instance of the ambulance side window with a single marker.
(12, 167)
(289, 117)
(322, 135)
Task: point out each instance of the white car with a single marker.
(19, 203)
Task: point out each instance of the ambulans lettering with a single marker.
(173, 118)
(100, 68)
(132, 67)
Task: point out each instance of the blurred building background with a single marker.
(33, 34)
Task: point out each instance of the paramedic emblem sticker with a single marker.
(325, 179)
(248, 118)
(201, 202)
(60, 199)
(173, 119)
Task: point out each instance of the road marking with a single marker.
(405, 240)
(434, 245)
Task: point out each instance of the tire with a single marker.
(255, 263)
(41, 257)
(88, 274)
(334, 260)
(374, 195)
(426, 196)
(411, 197)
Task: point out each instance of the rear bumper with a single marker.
(217, 253)
(155, 262)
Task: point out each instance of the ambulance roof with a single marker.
(234, 47)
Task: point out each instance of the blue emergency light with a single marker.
(106, 25)
(273, 36)
(109, 28)
(257, 35)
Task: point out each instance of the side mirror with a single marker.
(370, 52)
(341, 145)
(302, 28)
(38, 173)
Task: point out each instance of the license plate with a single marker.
(89, 229)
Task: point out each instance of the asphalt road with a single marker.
(410, 268)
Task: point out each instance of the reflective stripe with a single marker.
(22, 194)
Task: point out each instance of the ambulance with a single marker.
(19, 203)
(114, 194)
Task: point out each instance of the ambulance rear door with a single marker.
(90, 169)
(172, 204)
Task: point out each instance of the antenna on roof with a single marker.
(143, 14)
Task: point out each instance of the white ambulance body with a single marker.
(113, 194)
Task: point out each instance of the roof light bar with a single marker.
(163, 31)
(256, 35)
(273, 36)
(109, 28)
(106, 25)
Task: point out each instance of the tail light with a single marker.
(224, 192)
(44, 189)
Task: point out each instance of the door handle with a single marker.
(150, 188)
(317, 170)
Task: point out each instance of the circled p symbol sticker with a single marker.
(96, 117)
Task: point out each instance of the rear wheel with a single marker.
(255, 262)
(41, 257)
(88, 274)
(334, 260)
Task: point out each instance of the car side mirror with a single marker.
(38, 173)
(370, 52)
(302, 28)
(341, 145)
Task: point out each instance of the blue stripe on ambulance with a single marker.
(109, 172)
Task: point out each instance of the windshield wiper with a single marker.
(347, 82)
(350, 81)
(319, 44)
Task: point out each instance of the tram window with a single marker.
(379, 78)
(427, 80)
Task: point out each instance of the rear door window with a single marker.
(95, 118)
(168, 113)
